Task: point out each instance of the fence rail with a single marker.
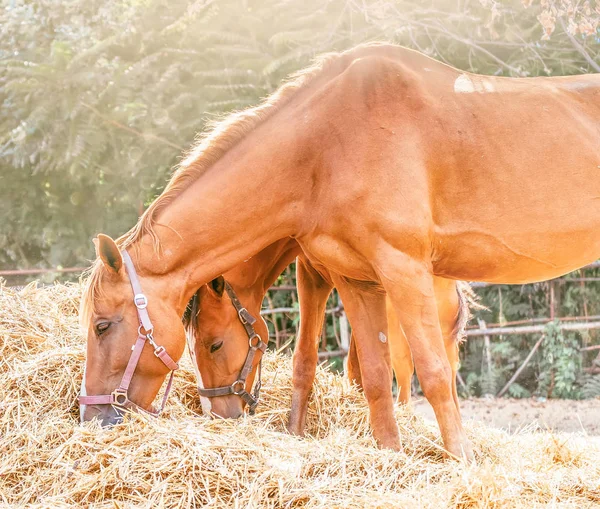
(476, 284)
(531, 329)
(35, 272)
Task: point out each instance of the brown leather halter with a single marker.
(255, 343)
(119, 396)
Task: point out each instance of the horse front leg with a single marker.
(367, 314)
(409, 285)
(313, 291)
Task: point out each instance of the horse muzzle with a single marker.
(107, 415)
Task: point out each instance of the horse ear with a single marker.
(218, 285)
(108, 252)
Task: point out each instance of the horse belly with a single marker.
(477, 256)
(516, 192)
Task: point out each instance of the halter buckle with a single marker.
(242, 315)
(117, 394)
(140, 301)
(252, 406)
(159, 350)
(236, 383)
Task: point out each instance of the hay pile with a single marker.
(184, 460)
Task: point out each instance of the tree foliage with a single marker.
(99, 99)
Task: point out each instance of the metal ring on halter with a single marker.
(116, 394)
(257, 345)
(238, 382)
(146, 333)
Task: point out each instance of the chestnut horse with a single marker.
(388, 168)
(218, 342)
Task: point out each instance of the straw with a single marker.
(183, 459)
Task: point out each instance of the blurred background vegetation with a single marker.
(100, 98)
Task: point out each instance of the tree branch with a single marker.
(521, 367)
(580, 48)
(130, 129)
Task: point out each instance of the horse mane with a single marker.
(220, 137)
(209, 147)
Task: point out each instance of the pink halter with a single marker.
(119, 396)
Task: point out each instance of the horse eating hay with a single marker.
(388, 168)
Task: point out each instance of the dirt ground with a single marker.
(513, 414)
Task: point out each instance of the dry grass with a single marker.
(184, 460)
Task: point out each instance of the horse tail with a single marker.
(467, 301)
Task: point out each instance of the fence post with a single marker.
(489, 385)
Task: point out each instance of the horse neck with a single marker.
(251, 279)
(250, 198)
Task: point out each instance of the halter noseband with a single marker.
(255, 343)
(119, 397)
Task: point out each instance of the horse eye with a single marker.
(102, 327)
(216, 346)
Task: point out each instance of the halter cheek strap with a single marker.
(119, 397)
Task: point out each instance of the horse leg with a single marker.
(367, 314)
(409, 285)
(353, 367)
(402, 362)
(313, 291)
